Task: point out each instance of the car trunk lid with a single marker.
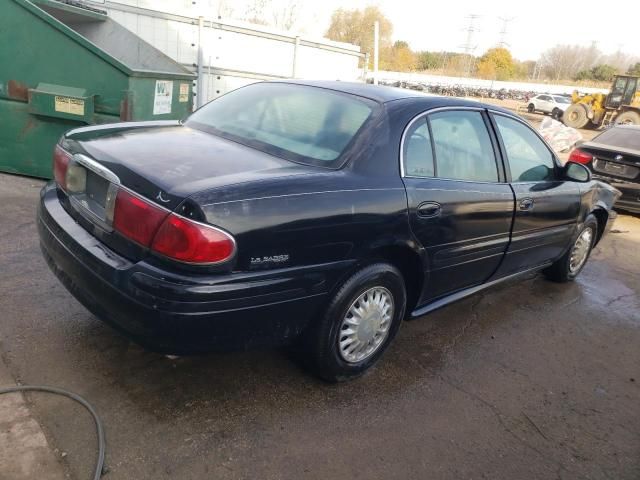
(615, 162)
(162, 164)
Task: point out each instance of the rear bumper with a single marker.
(176, 313)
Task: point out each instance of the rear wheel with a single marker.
(556, 114)
(628, 118)
(531, 108)
(575, 116)
(359, 324)
(571, 263)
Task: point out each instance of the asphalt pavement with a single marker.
(530, 380)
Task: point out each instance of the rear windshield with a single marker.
(296, 122)
(620, 137)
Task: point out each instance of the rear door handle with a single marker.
(526, 204)
(429, 209)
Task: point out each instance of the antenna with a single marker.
(504, 32)
(468, 47)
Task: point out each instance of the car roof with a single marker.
(628, 142)
(627, 127)
(384, 94)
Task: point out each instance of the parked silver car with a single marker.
(546, 103)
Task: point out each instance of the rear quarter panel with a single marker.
(309, 219)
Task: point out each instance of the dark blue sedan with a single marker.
(320, 214)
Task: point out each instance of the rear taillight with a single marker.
(61, 159)
(168, 234)
(135, 218)
(580, 156)
(191, 242)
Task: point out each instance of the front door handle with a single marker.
(429, 209)
(526, 204)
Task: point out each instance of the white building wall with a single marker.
(234, 53)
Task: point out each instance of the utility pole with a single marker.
(201, 88)
(503, 33)
(376, 50)
(468, 47)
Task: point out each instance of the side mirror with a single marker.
(577, 172)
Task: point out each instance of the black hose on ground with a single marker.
(81, 401)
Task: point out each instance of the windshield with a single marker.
(296, 122)
(562, 99)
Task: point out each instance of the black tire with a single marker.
(561, 270)
(556, 114)
(628, 118)
(531, 108)
(576, 116)
(323, 354)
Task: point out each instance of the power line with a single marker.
(468, 47)
(504, 32)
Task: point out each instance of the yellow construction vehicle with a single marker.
(621, 105)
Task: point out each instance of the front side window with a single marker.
(463, 147)
(529, 158)
(299, 123)
(417, 152)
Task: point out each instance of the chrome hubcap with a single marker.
(366, 325)
(580, 250)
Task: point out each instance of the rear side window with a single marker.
(529, 158)
(417, 153)
(300, 123)
(463, 147)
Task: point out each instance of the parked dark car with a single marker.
(320, 213)
(614, 157)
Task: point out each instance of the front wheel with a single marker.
(571, 263)
(575, 116)
(359, 324)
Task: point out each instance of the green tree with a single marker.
(602, 73)
(496, 64)
(398, 58)
(356, 26)
(428, 60)
(634, 69)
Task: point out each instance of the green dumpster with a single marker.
(64, 66)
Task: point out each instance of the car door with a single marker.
(545, 104)
(460, 208)
(546, 206)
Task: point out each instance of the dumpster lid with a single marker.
(109, 40)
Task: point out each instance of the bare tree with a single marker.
(255, 12)
(286, 16)
(283, 14)
(565, 61)
(225, 9)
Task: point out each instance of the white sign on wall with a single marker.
(163, 97)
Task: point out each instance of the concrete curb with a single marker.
(25, 453)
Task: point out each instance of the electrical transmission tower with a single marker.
(504, 32)
(468, 47)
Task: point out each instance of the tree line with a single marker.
(562, 62)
